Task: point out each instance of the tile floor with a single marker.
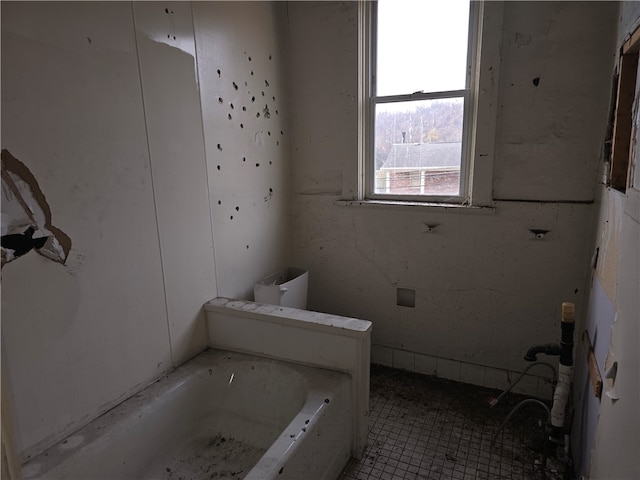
(431, 429)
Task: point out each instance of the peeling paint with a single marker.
(26, 216)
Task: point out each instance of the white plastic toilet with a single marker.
(287, 288)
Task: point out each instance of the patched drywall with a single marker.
(486, 288)
(241, 72)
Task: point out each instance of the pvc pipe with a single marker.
(565, 372)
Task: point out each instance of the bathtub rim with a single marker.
(344, 345)
(53, 459)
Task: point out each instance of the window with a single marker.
(420, 71)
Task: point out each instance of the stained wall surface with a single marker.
(111, 107)
(485, 288)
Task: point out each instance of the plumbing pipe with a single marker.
(515, 409)
(547, 349)
(565, 372)
(545, 455)
(495, 401)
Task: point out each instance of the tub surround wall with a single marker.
(485, 288)
(111, 107)
(167, 62)
(312, 338)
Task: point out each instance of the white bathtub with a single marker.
(221, 415)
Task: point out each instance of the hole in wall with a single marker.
(28, 225)
(406, 297)
(219, 73)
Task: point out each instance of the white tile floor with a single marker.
(430, 429)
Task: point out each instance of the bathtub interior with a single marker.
(219, 415)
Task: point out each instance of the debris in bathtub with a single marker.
(231, 378)
(304, 429)
(210, 372)
(306, 422)
(326, 400)
(280, 471)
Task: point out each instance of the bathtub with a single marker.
(220, 415)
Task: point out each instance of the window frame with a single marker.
(620, 175)
(480, 102)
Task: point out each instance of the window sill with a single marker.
(418, 206)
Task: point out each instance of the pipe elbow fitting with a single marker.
(547, 349)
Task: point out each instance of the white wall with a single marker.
(485, 289)
(102, 102)
(247, 154)
(606, 433)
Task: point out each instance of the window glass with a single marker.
(421, 45)
(419, 95)
(418, 147)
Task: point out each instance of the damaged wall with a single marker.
(485, 288)
(605, 430)
(102, 101)
(241, 65)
